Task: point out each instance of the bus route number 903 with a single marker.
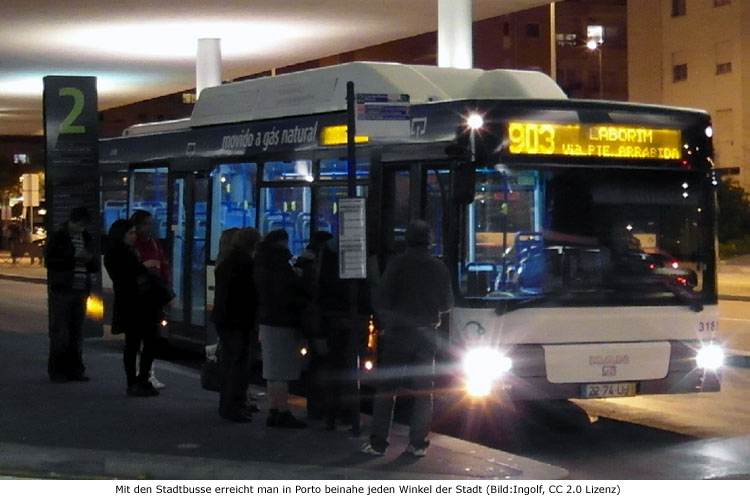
(531, 138)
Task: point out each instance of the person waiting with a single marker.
(281, 298)
(415, 291)
(234, 314)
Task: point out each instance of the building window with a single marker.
(679, 8)
(506, 29)
(723, 68)
(188, 98)
(566, 39)
(721, 3)
(532, 30)
(723, 56)
(679, 72)
(21, 159)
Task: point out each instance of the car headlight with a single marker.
(710, 357)
(482, 366)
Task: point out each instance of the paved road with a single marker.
(23, 307)
(695, 436)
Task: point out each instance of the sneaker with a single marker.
(369, 449)
(155, 383)
(416, 451)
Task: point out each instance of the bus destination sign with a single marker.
(595, 140)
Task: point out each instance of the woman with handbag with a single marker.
(137, 306)
(152, 256)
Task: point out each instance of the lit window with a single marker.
(188, 98)
(566, 39)
(723, 68)
(679, 72)
(21, 159)
(679, 8)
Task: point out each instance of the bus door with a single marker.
(187, 231)
(286, 201)
(409, 192)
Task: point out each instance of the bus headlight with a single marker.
(710, 357)
(482, 366)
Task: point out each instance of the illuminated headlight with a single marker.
(710, 357)
(482, 366)
(475, 121)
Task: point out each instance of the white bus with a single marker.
(581, 235)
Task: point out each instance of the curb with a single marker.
(741, 298)
(24, 279)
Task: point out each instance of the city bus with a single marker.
(554, 216)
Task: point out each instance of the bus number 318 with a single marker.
(708, 326)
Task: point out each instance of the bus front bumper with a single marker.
(527, 380)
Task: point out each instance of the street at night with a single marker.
(343, 249)
(646, 437)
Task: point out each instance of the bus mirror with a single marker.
(463, 184)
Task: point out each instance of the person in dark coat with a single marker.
(136, 310)
(281, 299)
(234, 314)
(416, 290)
(328, 333)
(15, 239)
(70, 262)
(151, 255)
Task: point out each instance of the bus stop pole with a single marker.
(354, 334)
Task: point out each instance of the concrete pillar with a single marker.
(207, 64)
(455, 49)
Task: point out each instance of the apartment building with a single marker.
(696, 53)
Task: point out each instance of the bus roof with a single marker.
(323, 90)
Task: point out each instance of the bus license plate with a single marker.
(608, 390)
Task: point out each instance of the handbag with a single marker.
(154, 290)
(210, 375)
(211, 371)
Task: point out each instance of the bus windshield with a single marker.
(586, 236)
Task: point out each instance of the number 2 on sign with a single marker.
(67, 127)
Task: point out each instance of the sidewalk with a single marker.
(22, 270)
(93, 430)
